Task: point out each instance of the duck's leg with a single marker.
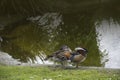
(63, 64)
(77, 64)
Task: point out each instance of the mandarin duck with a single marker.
(61, 55)
(78, 56)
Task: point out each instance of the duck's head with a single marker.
(81, 50)
(65, 48)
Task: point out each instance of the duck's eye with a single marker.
(63, 58)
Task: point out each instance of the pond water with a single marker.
(94, 25)
(109, 42)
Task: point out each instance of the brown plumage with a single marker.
(61, 55)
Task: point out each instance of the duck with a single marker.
(78, 56)
(61, 55)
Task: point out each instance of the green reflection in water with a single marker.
(23, 39)
(29, 39)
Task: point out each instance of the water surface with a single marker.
(28, 34)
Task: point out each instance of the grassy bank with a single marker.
(49, 73)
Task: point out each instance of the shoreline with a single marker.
(7, 60)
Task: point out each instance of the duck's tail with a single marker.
(49, 56)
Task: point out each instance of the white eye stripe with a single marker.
(79, 48)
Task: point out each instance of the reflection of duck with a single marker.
(79, 55)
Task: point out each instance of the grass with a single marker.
(49, 73)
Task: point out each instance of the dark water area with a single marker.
(31, 30)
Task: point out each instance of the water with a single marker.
(31, 34)
(109, 36)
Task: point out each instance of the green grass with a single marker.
(49, 73)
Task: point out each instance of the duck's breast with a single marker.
(79, 58)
